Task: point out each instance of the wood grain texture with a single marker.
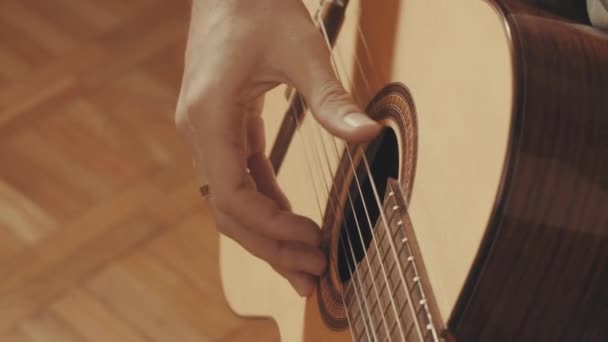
(542, 272)
(103, 236)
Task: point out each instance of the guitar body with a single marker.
(497, 121)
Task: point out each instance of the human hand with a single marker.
(238, 50)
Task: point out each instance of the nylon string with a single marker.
(319, 206)
(371, 225)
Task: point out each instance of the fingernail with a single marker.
(357, 120)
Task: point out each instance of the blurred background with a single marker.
(103, 236)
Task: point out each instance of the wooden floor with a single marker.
(102, 234)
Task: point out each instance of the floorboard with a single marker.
(103, 236)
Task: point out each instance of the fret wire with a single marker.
(392, 245)
(421, 289)
(359, 312)
(373, 285)
(398, 286)
(413, 287)
(393, 213)
(368, 86)
(377, 326)
(372, 282)
(372, 254)
(409, 329)
(400, 315)
(356, 315)
(374, 251)
(384, 312)
(359, 336)
(360, 315)
(395, 323)
(392, 266)
(375, 274)
(358, 322)
(365, 303)
(421, 308)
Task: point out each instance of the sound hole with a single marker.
(383, 156)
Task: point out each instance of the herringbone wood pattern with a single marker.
(102, 234)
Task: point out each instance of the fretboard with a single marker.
(385, 297)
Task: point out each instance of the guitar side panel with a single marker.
(542, 273)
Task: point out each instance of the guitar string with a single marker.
(359, 230)
(379, 204)
(349, 242)
(351, 159)
(357, 276)
(430, 327)
(387, 284)
(350, 270)
(335, 206)
(308, 164)
(348, 236)
(375, 192)
(327, 188)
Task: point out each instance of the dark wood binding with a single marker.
(571, 9)
(542, 271)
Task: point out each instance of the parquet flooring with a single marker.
(102, 234)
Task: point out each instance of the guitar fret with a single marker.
(410, 326)
(411, 330)
(361, 324)
(359, 328)
(359, 319)
(391, 266)
(379, 326)
(390, 280)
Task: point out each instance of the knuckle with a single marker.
(222, 202)
(284, 257)
(223, 224)
(181, 119)
(330, 92)
(194, 99)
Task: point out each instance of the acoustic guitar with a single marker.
(481, 211)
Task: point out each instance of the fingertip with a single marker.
(352, 126)
(304, 291)
(317, 262)
(358, 120)
(360, 127)
(303, 283)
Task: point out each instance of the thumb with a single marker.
(330, 103)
